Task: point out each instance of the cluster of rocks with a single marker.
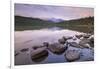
(86, 41)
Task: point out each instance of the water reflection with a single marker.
(29, 38)
(37, 37)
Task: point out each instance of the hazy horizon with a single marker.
(48, 11)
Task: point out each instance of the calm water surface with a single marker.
(30, 38)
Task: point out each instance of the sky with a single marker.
(50, 11)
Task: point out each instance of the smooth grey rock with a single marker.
(74, 44)
(72, 55)
(57, 48)
(38, 54)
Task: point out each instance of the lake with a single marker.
(30, 38)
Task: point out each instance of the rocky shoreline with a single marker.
(63, 45)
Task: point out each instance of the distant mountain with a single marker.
(55, 20)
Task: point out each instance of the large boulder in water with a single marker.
(72, 55)
(37, 54)
(40, 59)
(57, 48)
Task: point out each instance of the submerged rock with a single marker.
(89, 59)
(57, 48)
(72, 55)
(16, 53)
(39, 54)
(24, 50)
